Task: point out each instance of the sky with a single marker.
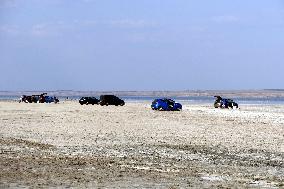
(120, 45)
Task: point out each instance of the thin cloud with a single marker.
(53, 29)
(88, 1)
(39, 30)
(87, 22)
(225, 19)
(123, 23)
(10, 30)
(47, 29)
(36, 30)
(127, 23)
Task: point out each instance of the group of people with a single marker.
(42, 98)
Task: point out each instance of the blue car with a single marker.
(166, 105)
(49, 99)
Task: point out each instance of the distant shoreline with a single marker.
(186, 93)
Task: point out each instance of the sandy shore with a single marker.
(69, 145)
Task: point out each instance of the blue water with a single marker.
(191, 99)
(206, 100)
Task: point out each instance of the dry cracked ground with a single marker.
(69, 145)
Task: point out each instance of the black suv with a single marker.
(88, 100)
(110, 100)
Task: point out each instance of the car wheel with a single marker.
(160, 108)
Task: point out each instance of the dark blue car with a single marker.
(166, 105)
(49, 99)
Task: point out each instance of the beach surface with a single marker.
(69, 145)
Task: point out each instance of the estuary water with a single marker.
(187, 100)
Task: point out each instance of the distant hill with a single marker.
(280, 90)
(186, 93)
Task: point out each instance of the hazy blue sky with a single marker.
(141, 44)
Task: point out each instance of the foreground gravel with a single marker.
(69, 145)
